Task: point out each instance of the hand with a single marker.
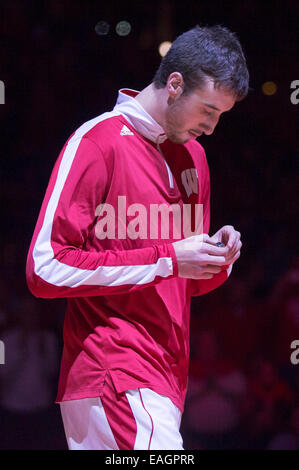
(231, 239)
(199, 258)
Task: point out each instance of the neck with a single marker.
(151, 99)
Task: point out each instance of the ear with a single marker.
(175, 85)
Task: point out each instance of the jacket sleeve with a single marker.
(203, 286)
(58, 264)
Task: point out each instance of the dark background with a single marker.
(59, 73)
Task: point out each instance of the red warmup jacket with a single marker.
(128, 311)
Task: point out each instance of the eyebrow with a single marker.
(211, 106)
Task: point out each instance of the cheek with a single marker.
(176, 117)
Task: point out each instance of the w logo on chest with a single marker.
(190, 181)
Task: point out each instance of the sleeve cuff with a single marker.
(174, 260)
(167, 251)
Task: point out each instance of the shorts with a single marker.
(138, 419)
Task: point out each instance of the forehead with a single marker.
(219, 99)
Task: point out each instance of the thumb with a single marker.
(213, 240)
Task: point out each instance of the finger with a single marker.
(234, 258)
(202, 276)
(239, 246)
(211, 240)
(236, 249)
(232, 252)
(198, 240)
(237, 240)
(237, 256)
(233, 243)
(213, 260)
(212, 249)
(210, 268)
(232, 235)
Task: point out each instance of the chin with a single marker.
(178, 140)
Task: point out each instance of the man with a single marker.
(124, 368)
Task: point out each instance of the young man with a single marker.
(124, 367)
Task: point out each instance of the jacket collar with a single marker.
(136, 115)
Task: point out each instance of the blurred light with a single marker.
(123, 28)
(269, 88)
(102, 28)
(164, 48)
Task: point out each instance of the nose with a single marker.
(209, 131)
(210, 126)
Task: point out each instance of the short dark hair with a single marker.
(206, 52)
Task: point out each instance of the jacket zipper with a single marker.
(170, 177)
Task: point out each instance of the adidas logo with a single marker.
(126, 131)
